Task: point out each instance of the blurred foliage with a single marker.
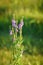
(6, 58)
(17, 4)
(32, 11)
(13, 6)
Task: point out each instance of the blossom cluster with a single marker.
(18, 27)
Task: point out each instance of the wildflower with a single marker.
(10, 32)
(21, 24)
(14, 23)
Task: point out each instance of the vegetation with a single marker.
(32, 13)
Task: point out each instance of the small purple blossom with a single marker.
(21, 24)
(14, 23)
(10, 32)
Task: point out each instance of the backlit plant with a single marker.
(17, 41)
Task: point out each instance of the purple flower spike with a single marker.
(10, 32)
(21, 24)
(14, 23)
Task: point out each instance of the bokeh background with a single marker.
(32, 13)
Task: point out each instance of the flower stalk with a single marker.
(17, 41)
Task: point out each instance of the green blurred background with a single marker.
(32, 13)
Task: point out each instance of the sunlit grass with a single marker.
(32, 60)
(6, 58)
(28, 13)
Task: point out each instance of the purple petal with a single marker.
(13, 21)
(14, 24)
(10, 32)
(19, 26)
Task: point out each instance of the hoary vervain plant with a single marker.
(17, 41)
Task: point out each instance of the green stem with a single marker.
(16, 33)
(20, 33)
